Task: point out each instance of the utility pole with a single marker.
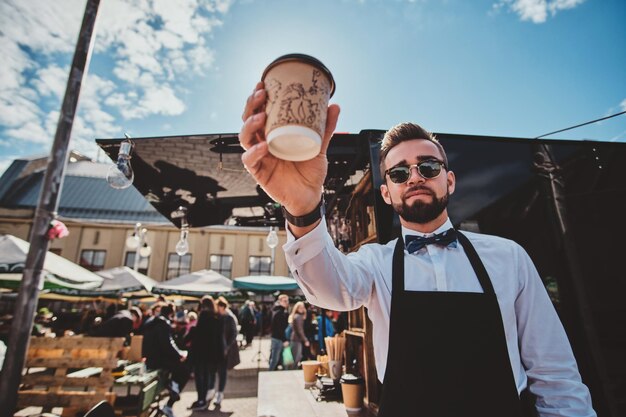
(26, 303)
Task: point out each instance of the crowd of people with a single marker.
(302, 330)
(203, 341)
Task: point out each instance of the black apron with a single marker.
(447, 351)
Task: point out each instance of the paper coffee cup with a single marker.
(352, 392)
(298, 89)
(310, 371)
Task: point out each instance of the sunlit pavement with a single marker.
(240, 396)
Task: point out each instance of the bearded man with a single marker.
(462, 324)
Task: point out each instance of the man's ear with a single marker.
(451, 182)
(384, 191)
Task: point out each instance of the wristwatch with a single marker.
(307, 219)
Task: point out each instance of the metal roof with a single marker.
(85, 194)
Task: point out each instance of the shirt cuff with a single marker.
(301, 250)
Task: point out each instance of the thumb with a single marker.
(332, 116)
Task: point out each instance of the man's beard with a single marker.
(421, 212)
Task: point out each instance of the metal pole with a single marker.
(26, 303)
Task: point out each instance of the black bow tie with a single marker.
(414, 243)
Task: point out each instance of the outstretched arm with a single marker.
(297, 186)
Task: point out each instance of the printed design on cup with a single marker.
(298, 105)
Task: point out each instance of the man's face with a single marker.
(284, 302)
(418, 200)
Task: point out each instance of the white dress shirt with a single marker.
(538, 347)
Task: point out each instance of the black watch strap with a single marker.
(308, 219)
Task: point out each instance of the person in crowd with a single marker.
(207, 351)
(192, 320)
(266, 313)
(470, 318)
(123, 324)
(43, 323)
(280, 318)
(341, 323)
(247, 319)
(161, 353)
(310, 331)
(326, 328)
(151, 314)
(179, 328)
(298, 337)
(231, 350)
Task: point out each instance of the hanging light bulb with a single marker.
(182, 247)
(272, 238)
(121, 175)
(145, 250)
(132, 242)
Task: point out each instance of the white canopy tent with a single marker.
(58, 272)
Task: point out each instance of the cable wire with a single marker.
(582, 124)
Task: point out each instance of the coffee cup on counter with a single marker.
(352, 392)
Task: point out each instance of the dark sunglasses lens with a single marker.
(429, 169)
(399, 175)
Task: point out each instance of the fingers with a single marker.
(253, 157)
(254, 118)
(255, 101)
(332, 116)
(252, 131)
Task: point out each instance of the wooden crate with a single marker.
(69, 372)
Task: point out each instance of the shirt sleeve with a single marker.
(545, 349)
(328, 278)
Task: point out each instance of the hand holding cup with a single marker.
(297, 185)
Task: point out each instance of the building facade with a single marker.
(101, 219)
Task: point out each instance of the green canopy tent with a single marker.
(58, 272)
(265, 283)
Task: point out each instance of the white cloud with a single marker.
(43, 25)
(31, 132)
(51, 81)
(18, 108)
(536, 11)
(152, 44)
(623, 104)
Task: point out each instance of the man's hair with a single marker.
(167, 310)
(401, 133)
(207, 303)
(222, 302)
(283, 296)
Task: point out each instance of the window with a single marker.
(260, 265)
(178, 265)
(92, 260)
(142, 264)
(222, 264)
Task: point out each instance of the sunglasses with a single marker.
(429, 169)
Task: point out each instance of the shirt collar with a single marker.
(406, 231)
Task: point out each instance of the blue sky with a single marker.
(517, 68)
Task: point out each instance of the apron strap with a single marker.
(477, 264)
